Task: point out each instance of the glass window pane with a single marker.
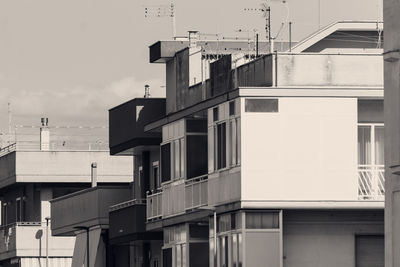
(178, 256)
(240, 249)
(176, 158)
(210, 149)
(211, 252)
(183, 255)
(234, 251)
(364, 145)
(261, 105)
(379, 145)
(182, 157)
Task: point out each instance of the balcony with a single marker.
(28, 239)
(127, 122)
(371, 182)
(85, 208)
(154, 206)
(196, 192)
(22, 165)
(127, 222)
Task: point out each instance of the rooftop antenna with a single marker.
(162, 11)
(266, 11)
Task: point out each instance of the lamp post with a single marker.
(213, 209)
(87, 241)
(47, 240)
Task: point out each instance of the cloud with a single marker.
(80, 105)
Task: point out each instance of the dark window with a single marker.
(166, 162)
(4, 214)
(262, 220)
(19, 210)
(196, 126)
(221, 143)
(198, 231)
(231, 108)
(215, 114)
(196, 161)
(156, 177)
(167, 257)
(261, 105)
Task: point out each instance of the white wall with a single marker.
(71, 166)
(306, 151)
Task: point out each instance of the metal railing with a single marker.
(196, 192)
(128, 203)
(371, 182)
(154, 206)
(7, 149)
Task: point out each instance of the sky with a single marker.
(72, 60)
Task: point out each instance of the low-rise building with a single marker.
(30, 176)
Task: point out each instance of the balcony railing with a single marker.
(196, 192)
(371, 182)
(154, 206)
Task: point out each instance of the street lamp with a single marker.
(87, 241)
(47, 240)
(213, 209)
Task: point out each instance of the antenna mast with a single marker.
(162, 11)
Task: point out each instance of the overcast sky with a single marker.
(72, 60)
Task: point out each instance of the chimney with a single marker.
(44, 135)
(146, 91)
(193, 38)
(94, 174)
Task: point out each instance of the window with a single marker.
(156, 176)
(262, 220)
(370, 144)
(232, 108)
(261, 105)
(221, 145)
(4, 214)
(19, 209)
(166, 162)
(215, 114)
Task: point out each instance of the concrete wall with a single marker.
(326, 238)
(63, 166)
(306, 151)
(329, 70)
(30, 241)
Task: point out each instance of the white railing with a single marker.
(196, 192)
(154, 206)
(371, 182)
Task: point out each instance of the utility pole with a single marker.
(47, 241)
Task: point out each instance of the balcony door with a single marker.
(371, 161)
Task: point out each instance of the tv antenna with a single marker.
(266, 11)
(162, 11)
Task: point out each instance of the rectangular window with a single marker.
(177, 151)
(232, 108)
(379, 145)
(166, 162)
(156, 176)
(215, 114)
(19, 209)
(262, 220)
(370, 144)
(221, 145)
(364, 145)
(4, 214)
(233, 142)
(261, 105)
